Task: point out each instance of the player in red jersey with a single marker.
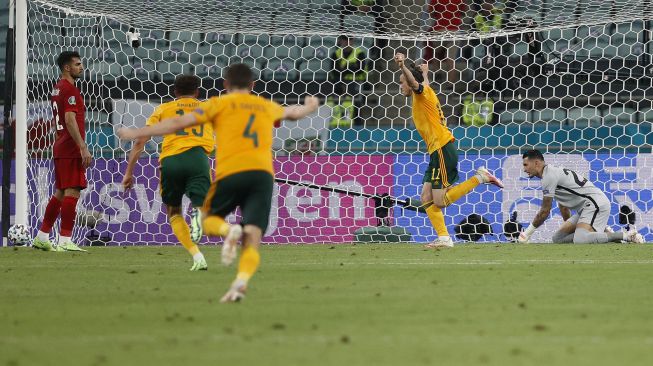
(70, 154)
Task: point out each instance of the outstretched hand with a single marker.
(312, 102)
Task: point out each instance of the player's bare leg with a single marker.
(247, 266)
(447, 196)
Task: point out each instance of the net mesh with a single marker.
(385, 18)
(564, 76)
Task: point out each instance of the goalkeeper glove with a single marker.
(525, 235)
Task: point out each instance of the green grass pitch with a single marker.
(331, 305)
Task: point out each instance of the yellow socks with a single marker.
(452, 195)
(437, 220)
(215, 226)
(460, 190)
(248, 264)
(182, 232)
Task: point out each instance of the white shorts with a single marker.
(595, 214)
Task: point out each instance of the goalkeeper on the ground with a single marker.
(574, 192)
(438, 190)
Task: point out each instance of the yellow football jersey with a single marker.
(243, 125)
(429, 119)
(182, 140)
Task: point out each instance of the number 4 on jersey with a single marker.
(248, 133)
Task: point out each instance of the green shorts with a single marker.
(443, 167)
(249, 190)
(186, 173)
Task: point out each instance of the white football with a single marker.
(19, 235)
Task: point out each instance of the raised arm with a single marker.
(400, 59)
(296, 112)
(166, 126)
(425, 72)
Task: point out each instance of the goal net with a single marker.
(569, 77)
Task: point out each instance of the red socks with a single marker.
(51, 214)
(68, 206)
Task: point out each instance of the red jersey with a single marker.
(65, 97)
(448, 14)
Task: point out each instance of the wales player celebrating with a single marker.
(243, 125)
(184, 165)
(438, 190)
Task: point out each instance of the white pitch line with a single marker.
(143, 266)
(471, 263)
(408, 261)
(377, 261)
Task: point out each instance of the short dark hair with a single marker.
(239, 76)
(533, 154)
(186, 84)
(66, 57)
(417, 73)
